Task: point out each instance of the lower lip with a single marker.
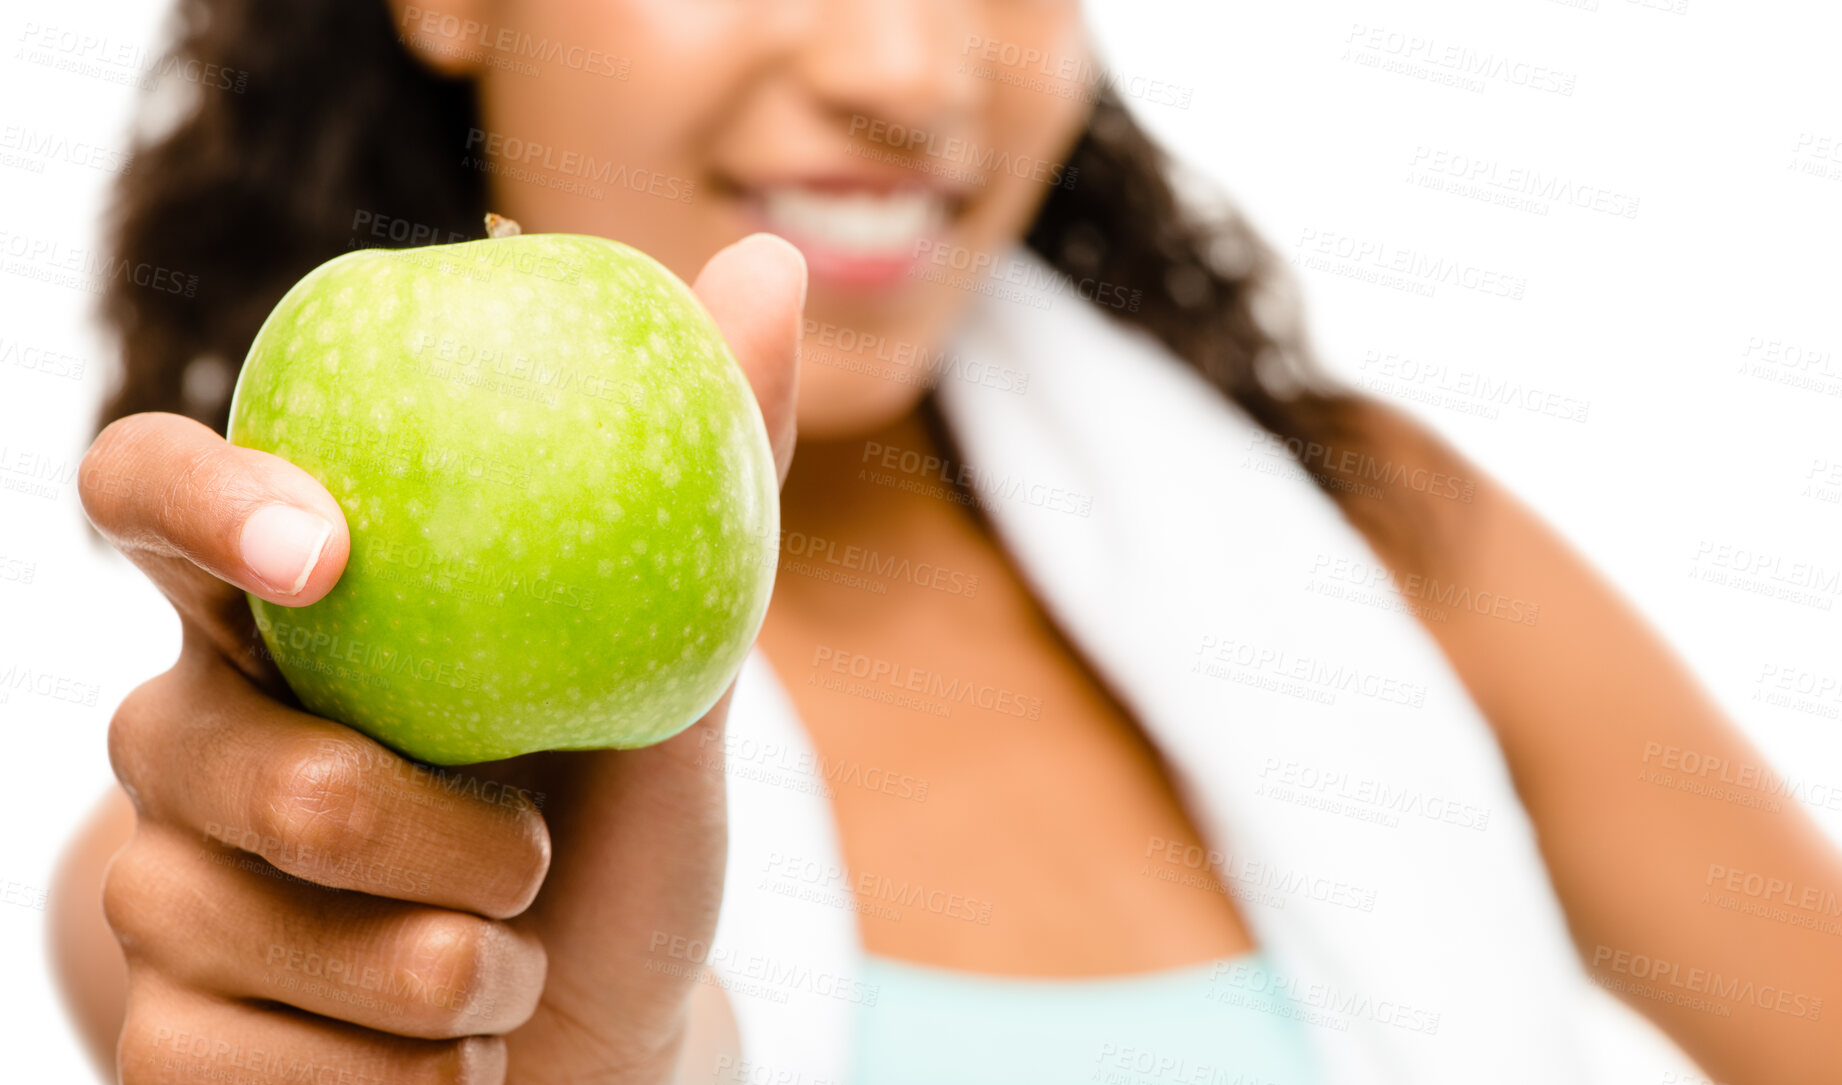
(838, 269)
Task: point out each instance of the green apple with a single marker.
(562, 501)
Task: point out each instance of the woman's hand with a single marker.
(299, 903)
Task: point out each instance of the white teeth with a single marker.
(857, 223)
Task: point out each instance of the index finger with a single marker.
(207, 521)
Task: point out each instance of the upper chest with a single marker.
(972, 753)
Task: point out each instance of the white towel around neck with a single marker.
(1423, 948)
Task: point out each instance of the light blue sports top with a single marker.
(1203, 1024)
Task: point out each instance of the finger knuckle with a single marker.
(135, 729)
(145, 1052)
(131, 891)
(213, 482)
(98, 477)
(162, 1040)
(316, 803)
(473, 1060)
(448, 968)
(530, 863)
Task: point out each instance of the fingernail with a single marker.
(281, 545)
(804, 277)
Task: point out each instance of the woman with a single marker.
(567, 941)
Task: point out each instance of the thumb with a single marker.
(755, 290)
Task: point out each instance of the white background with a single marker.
(1697, 112)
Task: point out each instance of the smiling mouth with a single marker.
(855, 235)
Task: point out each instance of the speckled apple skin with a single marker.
(562, 500)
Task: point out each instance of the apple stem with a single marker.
(500, 226)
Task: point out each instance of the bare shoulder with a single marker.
(1434, 512)
(1512, 604)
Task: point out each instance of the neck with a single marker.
(850, 487)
